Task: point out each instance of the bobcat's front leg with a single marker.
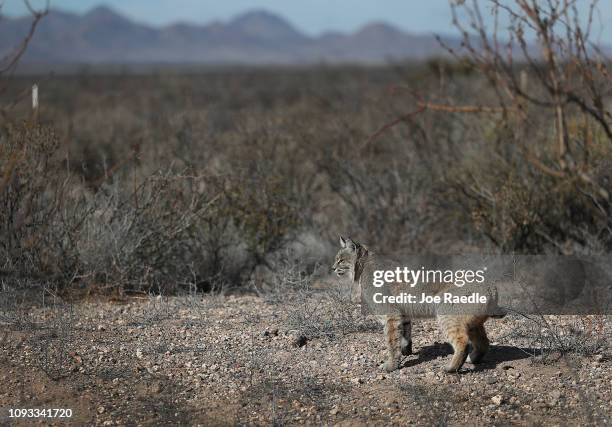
(394, 334)
(406, 336)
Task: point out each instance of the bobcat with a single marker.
(354, 258)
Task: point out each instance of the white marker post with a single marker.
(35, 102)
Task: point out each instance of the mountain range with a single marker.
(103, 36)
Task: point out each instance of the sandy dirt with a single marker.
(236, 361)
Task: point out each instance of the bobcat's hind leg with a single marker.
(393, 337)
(406, 344)
(460, 347)
(457, 333)
(480, 344)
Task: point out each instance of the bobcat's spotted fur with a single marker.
(461, 330)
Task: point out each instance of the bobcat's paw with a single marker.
(451, 369)
(390, 365)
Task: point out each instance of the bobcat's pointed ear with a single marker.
(342, 242)
(350, 244)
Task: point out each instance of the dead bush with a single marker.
(551, 337)
(523, 210)
(315, 312)
(143, 240)
(387, 205)
(33, 191)
(544, 189)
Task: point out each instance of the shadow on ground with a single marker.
(496, 355)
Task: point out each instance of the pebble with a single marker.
(299, 341)
(221, 363)
(553, 397)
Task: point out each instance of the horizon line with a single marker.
(235, 16)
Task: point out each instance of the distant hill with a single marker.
(103, 36)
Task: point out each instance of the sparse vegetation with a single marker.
(169, 192)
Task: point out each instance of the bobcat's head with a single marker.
(348, 255)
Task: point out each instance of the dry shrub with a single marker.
(159, 233)
(385, 207)
(181, 231)
(252, 217)
(522, 210)
(542, 183)
(32, 195)
(314, 312)
(550, 337)
(146, 239)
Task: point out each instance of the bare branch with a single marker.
(13, 58)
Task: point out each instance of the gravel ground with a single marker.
(238, 360)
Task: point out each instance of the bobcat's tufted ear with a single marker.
(351, 245)
(348, 243)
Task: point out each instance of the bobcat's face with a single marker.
(344, 263)
(346, 258)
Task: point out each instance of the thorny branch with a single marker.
(549, 43)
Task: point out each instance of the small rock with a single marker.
(156, 388)
(334, 411)
(491, 380)
(101, 409)
(553, 397)
(299, 341)
(497, 400)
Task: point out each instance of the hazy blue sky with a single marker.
(311, 16)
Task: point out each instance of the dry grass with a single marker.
(203, 181)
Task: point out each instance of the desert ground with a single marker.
(242, 360)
